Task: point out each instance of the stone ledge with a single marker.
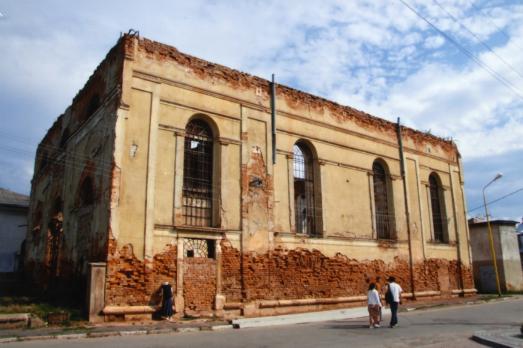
(311, 301)
(123, 310)
(464, 291)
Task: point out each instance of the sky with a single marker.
(450, 67)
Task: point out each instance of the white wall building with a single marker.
(13, 226)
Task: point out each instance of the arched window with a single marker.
(94, 104)
(383, 217)
(37, 218)
(439, 221)
(306, 202)
(65, 136)
(87, 192)
(198, 174)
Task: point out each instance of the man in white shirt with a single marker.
(394, 302)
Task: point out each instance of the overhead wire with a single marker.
(497, 199)
(465, 51)
(500, 29)
(483, 43)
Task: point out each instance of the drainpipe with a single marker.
(273, 119)
(458, 244)
(407, 212)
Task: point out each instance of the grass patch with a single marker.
(38, 307)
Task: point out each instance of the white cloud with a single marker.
(434, 41)
(377, 56)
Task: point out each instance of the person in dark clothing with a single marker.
(167, 301)
(393, 298)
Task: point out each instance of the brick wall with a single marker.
(199, 283)
(131, 281)
(300, 273)
(280, 274)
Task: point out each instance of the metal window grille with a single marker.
(304, 202)
(197, 177)
(438, 220)
(381, 202)
(199, 248)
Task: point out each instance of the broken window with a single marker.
(44, 159)
(65, 136)
(199, 248)
(55, 237)
(37, 219)
(87, 192)
(304, 198)
(439, 221)
(383, 218)
(94, 104)
(197, 176)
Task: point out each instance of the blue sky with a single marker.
(377, 56)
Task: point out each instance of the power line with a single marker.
(497, 200)
(487, 46)
(465, 51)
(500, 29)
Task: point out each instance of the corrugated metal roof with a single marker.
(12, 198)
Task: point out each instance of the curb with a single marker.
(102, 334)
(71, 336)
(498, 338)
(133, 333)
(115, 333)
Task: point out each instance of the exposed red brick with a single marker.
(131, 281)
(199, 283)
(301, 273)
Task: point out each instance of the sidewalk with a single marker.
(163, 327)
(111, 329)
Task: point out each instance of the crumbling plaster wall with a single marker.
(164, 89)
(78, 146)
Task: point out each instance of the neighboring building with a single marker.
(507, 256)
(13, 227)
(164, 169)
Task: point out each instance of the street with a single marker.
(437, 327)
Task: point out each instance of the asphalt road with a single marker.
(443, 327)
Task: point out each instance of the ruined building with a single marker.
(167, 167)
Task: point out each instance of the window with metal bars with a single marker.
(383, 217)
(439, 221)
(304, 199)
(197, 174)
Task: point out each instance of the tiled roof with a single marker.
(12, 198)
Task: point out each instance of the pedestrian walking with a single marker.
(393, 299)
(374, 306)
(167, 301)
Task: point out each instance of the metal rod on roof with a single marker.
(273, 119)
(407, 212)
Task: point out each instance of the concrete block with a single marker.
(14, 320)
(187, 329)
(8, 339)
(133, 333)
(221, 327)
(160, 331)
(71, 336)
